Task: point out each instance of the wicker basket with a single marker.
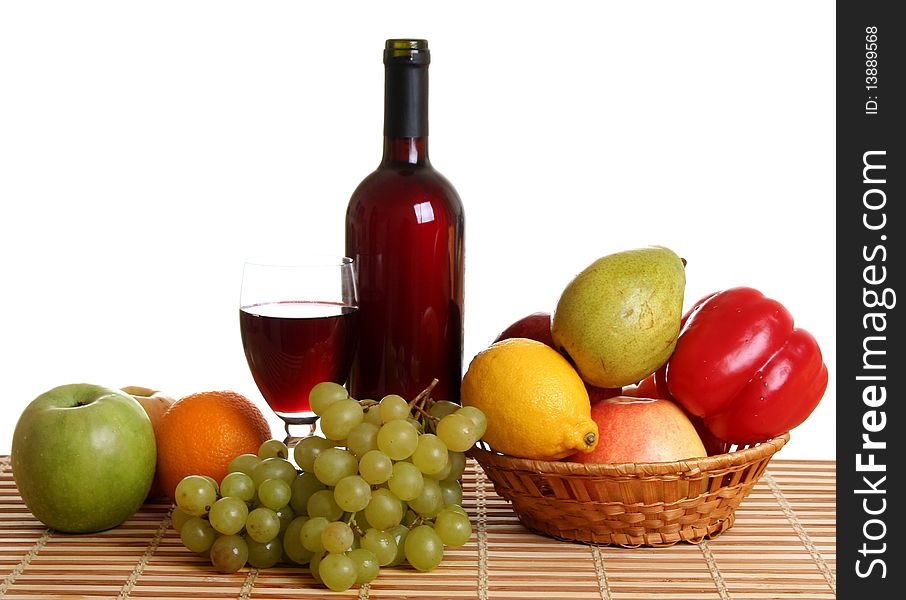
(630, 505)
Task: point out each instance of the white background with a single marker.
(146, 148)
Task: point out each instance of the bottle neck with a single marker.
(406, 113)
(409, 150)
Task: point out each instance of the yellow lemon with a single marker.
(536, 404)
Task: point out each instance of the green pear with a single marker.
(618, 320)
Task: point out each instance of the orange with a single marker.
(201, 433)
(535, 402)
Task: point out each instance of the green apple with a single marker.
(83, 457)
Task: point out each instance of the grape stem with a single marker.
(421, 402)
(350, 520)
(421, 411)
(423, 396)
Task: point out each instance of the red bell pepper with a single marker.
(741, 365)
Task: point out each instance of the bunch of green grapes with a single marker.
(380, 488)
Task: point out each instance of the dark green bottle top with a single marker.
(407, 51)
(406, 88)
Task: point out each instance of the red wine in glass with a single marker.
(299, 325)
(292, 346)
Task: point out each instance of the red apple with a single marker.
(641, 430)
(536, 326)
(155, 404)
(712, 444)
(596, 394)
(646, 388)
(655, 386)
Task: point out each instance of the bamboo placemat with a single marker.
(782, 546)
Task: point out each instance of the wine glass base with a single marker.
(298, 427)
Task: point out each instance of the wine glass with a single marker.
(299, 325)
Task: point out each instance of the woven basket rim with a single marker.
(689, 467)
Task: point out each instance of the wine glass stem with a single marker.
(291, 439)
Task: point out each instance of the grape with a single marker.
(286, 516)
(429, 501)
(366, 565)
(324, 394)
(229, 553)
(334, 464)
(398, 439)
(375, 467)
(478, 419)
(384, 510)
(406, 482)
(292, 542)
(214, 483)
(352, 493)
(430, 454)
(451, 491)
(456, 508)
(452, 527)
(340, 418)
(393, 407)
(264, 555)
(314, 563)
(423, 548)
(178, 518)
(409, 518)
(273, 448)
(337, 571)
(337, 537)
(310, 534)
(238, 485)
(457, 431)
(457, 466)
(445, 472)
(399, 534)
(381, 543)
(195, 495)
(273, 468)
(303, 487)
(373, 414)
(362, 438)
(262, 525)
(228, 515)
(197, 535)
(244, 463)
(442, 408)
(274, 493)
(308, 449)
(322, 504)
(310, 515)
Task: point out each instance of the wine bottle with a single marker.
(404, 229)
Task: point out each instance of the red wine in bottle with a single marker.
(404, 228)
